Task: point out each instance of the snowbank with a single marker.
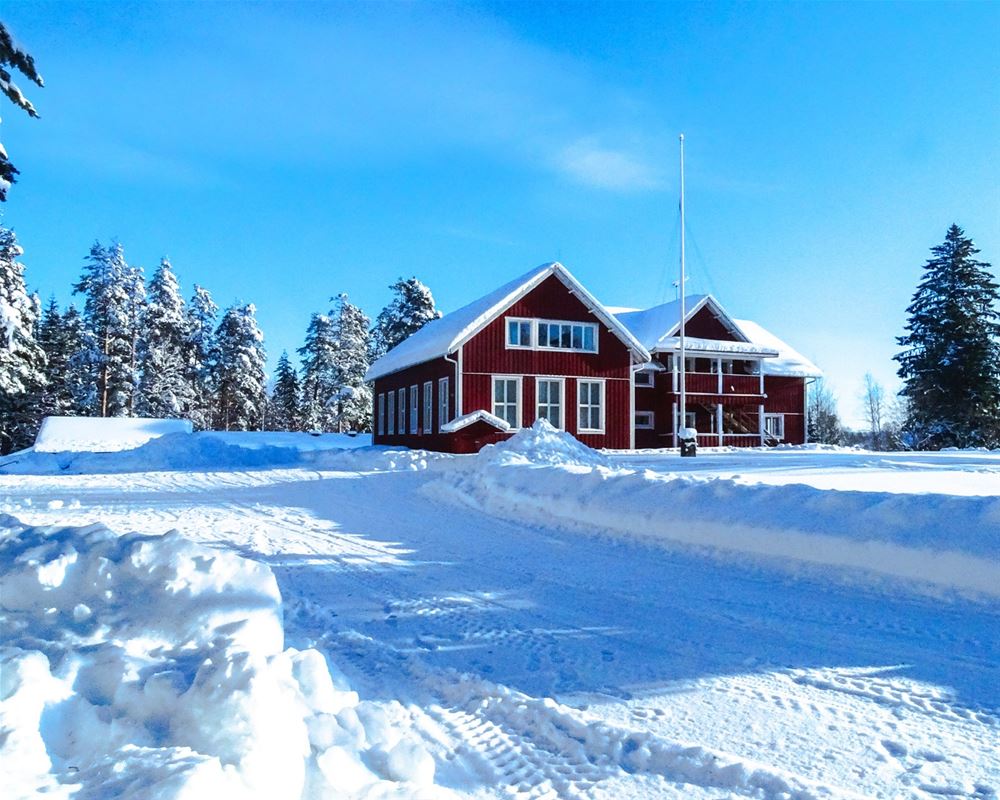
(214, 451)
(935, 542)
(538, 445)
(149, 667)
(102, 435)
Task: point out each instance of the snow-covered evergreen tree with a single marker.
(411, 307)
(320, 377)
(283, 407)
(240, 373)
(951, 362)
(78, 344)
(164, 386)
(201, 318)
(22, 360)
(353, 398)
(115, 295)
(12, 55)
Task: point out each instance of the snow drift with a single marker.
(150, 667)
(544, 477)
(103, 435)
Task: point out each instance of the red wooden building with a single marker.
(543, 347)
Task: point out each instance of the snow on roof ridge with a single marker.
(480, 415)
(441, 336)
(789, 362)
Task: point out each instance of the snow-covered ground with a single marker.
(536, 621)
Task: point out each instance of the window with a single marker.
(644, 378)
(428, 407)
(401, 419)
(390, 417)
(774, 425)
(380, 422)
(644, 420)
(590, 403)
(507, 400)
(518, 332)
(414, 405)
(549, 401)
(443, 415)
(579, 336)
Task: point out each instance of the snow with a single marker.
(102, 435)
(442, 336)
(539, 620)
(789, 363)
(471, 418)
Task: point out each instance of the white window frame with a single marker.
(518, 398)
(601, 408)
(443, 404)
(428, 407)
(648, 380)
(380, 422)
(414, 408)
(780, 418)
(562, 398)
(391, 415)
(531, 333)
(645, 426)
(571, 322)
(401, 411)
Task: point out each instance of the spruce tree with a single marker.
(283, 408)
(240, 376)
(78, 343)
(22, 360)
(11, 55)
(410, 309)
(115, 296)
(164, 386)
(950, 364)
(320, 376)
(353, 403)
(201, 318)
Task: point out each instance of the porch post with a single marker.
(760, 423)
(718, 421)
(673, 426)
(718, 370)
(760, 371)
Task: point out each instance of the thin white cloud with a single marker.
(589, 163)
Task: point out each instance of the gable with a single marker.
(706, 324)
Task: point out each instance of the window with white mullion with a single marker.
(549, 401)
(590, 403)
(507, 400)
(414, 405)
(519, 332)
(443, 415)
(390, 416)
(380, 421)
(574, 336)
(428, 407)
(401, 411)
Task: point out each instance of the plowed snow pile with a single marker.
(545, 477)
(149, 667)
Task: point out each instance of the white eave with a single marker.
(693, 344)
(443, 336)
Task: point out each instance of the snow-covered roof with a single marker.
(657, 329)
(466, 420)
(445, 335)
(789, 362)
(656, 324)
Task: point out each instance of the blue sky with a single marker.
(282, 153)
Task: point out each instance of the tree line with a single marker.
(138, 349)
(949, 364)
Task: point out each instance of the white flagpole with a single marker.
(682, 423)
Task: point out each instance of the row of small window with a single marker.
(393, 412)
(550, 402)
(540, 334)
(774, 424)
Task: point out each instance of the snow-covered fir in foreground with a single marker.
(537, 621)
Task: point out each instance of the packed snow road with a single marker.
(555, 660)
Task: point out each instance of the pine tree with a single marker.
(11, 55)
(164, 386)
(951, 362)
(410, 309)
(115, 296)
(240, 370)
(320, 377)
(353, 398)
(22, 360)
(78, 343)
(283, 407)
(201, 356)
